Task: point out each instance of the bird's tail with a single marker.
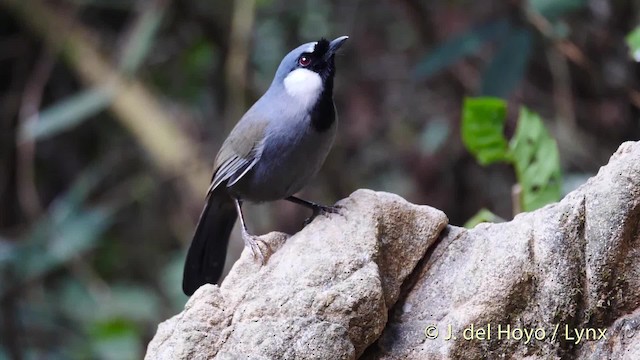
(205, 259)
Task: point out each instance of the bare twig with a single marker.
(516, 199)
(566, 47)
(238, 57)
(25, 171)
(562, 94)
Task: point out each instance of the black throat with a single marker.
(323, 114)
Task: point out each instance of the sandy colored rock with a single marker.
(574, 265)
(369, 283)
(324, 293)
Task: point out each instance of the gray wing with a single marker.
(234, 168)
(240, 151)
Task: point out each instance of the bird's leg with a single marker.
(249, 240)
(316, 208)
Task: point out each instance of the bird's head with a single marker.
(308, 69)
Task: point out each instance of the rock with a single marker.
(377, 282)
(323, 294)
(571, 266)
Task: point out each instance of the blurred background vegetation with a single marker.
(111, 112)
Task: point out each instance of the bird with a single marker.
(273, 151)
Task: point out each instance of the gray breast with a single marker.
(293, 153)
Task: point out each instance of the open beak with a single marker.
(335, 45)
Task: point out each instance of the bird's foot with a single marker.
(251, 241)
(322, 210)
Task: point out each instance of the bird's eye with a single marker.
(304, 60)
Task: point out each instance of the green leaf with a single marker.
(552, 9)
(482, 216)
(482, 129)
(508, 66)
(118, 340)
(460, 46)
(633, 41)
(537, 162)
(66, 114)
(141, 38)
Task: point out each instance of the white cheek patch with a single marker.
(303, 85)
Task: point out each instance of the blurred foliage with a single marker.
(462, 45)
(93, 224)
(633, 41)
(508, 65)
(515, 43)
(536, 159)
(553, 9)
(72, 111)
(482, 216)
(65, 114)
(531, 150)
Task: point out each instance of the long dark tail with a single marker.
(205, 259)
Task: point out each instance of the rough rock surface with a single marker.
(574, 265)
(324, 293)
(365, 285)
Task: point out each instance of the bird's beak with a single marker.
(335, 45)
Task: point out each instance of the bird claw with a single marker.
(251, 241)
(322, 210)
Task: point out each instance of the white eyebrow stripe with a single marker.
(311, 47)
